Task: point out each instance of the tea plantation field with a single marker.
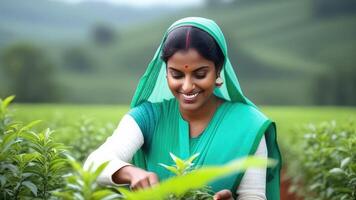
(287, 118)
(60, 117)
(321, 137)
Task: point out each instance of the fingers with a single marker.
(153, 179)
(223, 195)
(149, 180)
(141, 184)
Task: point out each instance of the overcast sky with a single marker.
(145, 3)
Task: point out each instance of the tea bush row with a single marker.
(322, 161)
(34, 166)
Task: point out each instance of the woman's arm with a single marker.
(118, 149)
(253, 183)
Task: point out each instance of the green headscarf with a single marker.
(153, 87)
(153, 84)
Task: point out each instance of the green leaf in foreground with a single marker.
(195, 179)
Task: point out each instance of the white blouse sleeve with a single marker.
(118, 149)
(253, 183)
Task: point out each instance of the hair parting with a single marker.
(187, 38)
(184, 38)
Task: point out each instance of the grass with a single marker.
(290, 118)
(68, 112)
(286, 117)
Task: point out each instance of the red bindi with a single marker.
(186, 66)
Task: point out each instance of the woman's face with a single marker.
(191, 78)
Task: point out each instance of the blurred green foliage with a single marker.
(322, 161)
(82, 184)
(32, 164)
(103, 35)
(284, 52)
(29, 73)
(77, 60)
(66, 119)
(298, 152)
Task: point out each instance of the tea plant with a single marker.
(326, 162)
(87, 136)
(82, 185)
(31, 163)
(181, 168)
(188, 185)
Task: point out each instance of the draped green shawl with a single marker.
(234, 131)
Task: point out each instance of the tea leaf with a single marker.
(193, 157)
(5, 103)
(105, 193)
(30, 186)
(345, 162)
(336, 171)
(170, 168)
(179, 162)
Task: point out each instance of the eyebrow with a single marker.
(200, 68)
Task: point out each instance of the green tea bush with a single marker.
(82, 185)
(31, 163)
(86, 136)
(324, 167)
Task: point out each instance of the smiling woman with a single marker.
(194, 61)
(182, 106)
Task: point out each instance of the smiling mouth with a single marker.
(190, 97)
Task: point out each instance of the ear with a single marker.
(218, 73)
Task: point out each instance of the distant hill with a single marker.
(53, 20)
(282, 52)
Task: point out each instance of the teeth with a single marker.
(192, 96)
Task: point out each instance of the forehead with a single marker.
(190, 58)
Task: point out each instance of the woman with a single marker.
(189, 101)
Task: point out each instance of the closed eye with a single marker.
(200, 75)
(176, 75)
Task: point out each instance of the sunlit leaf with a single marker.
(195, 179)
(6, 102)
(179, 162)
(170, 168)
(345, 162)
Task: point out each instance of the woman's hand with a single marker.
(223, 195)
(136, 177)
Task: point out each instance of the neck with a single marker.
(206, 111)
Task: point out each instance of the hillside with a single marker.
(279, 49)
(53, 20)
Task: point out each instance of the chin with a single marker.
(190, 107)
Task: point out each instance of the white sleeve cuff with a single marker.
(118, 149)
(105, 177)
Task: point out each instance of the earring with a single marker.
(219, 81)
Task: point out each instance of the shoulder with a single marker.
(153, 108)
(245, 111)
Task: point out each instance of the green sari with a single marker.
(234, 131)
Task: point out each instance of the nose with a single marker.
(188, 85)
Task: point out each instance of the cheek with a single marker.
(172, 84)
(207, 84)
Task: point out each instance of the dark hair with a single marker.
(185, 37)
